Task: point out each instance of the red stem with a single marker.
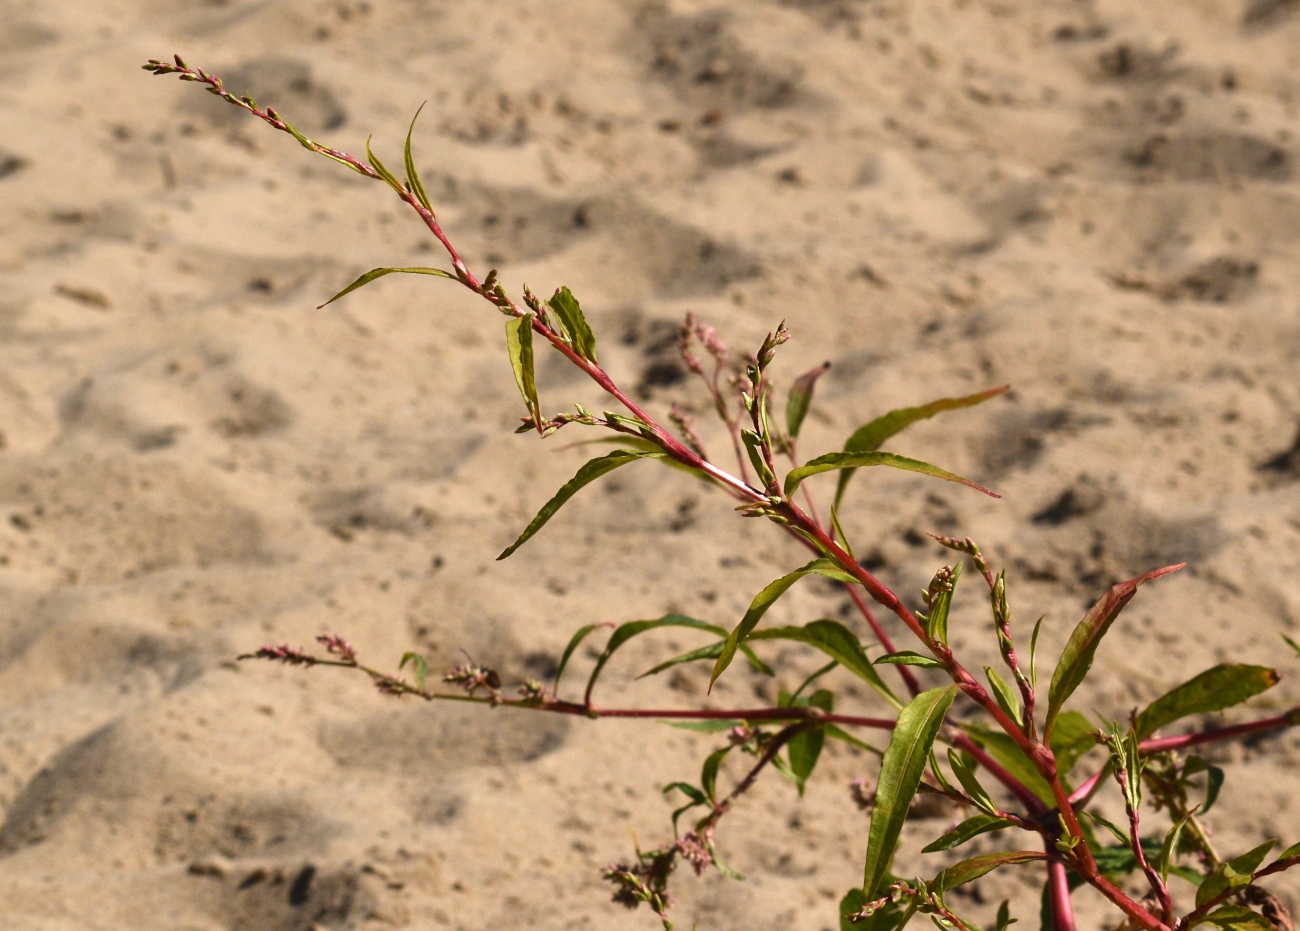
(1161, 744)
(1058, 890)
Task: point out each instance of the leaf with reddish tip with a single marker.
(870, 436)
(381, 272)
(900, 776)
(855, 460)
(1221, 687)
(801, 394)
(1079, 652)
(585, 476)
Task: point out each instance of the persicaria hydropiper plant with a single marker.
(1028, 742)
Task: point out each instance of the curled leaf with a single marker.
(381, 272)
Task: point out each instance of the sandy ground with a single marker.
(1097, 202)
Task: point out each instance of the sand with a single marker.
(1095, 202)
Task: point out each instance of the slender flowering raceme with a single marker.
(1022, 740)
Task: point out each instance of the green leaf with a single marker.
(1033, 653)
(418, 664)
(838, 733)
(1292, 644)
(764, 600)
(837, 642)
(710, 726)
(1238, 918)
(801, 394)
(1233, 874)
(850, 905)
(869, 437)
(940, 595)
(1008, 698)
(1077, 657)
(519, 340)
(709, 773)
(854, 460)
(1292, 851)
(965, 773)
(754, 448)
(900, 776)
(971, 827)
(692, 793)
(805, 747)
(1221, 687)
(579, 636)
(910, 658)
(711, 651)
(1213, 779)
(585, 476)
(1169, 849)
(1073, 736)
(381, 272)
(1004, 919)
(413, 176)
(625, 632)
(574, 323)
(975, 867)
(1002, 748)
(388, 177)
(1109, 826)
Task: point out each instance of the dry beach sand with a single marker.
(1097, 202)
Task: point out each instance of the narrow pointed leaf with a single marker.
(1008, 699)
(869, 437)
(1110, 826)
(1073, 736)
(574, 641)
(764, 600)
(805, 748)
(574, 323)
(1169, 849)
(1221, 687)
(519, 340)
(965, 773)
(1233, 874)
(975, 867)
(853, 460)
(837, 642)
(801, 394)
(381, 272)
(1292, 851)
(388, 177)
(585, 476)
(709, 773)
(1077, 657)
(1004, 919)
(900, 776)
(1033, 652)
(412, 175)
(936, 622)
(1238, 918)
(625, 632)
(711, 651)
(838, 733)
(418, 664)
(909, 658)
(971, 827)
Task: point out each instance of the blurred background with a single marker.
(1096, 202)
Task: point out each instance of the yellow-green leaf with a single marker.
(1221, 687)
(381, 272)
(853, 460)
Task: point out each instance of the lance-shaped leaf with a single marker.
(419, 664)
(805, 747)
(1292, 851)
(709, 773)
(939, 594)
(1169, 849)
(900, 775)
(579, 635)
(870, 436)
(1233, 874)
(971, 827)
(764, 600)
(853, 460)
(694, 795)
(1213, 779)
(574, 323)
(1221, 687)
(1238, 918)
(1073, 736)
(625, 632)
(585, 476)
(711, 651)
(519, 340)
(412, 175)
(381, 272)
(964, 770)
(968, 870)
(801, 394)
(1077, 657)
(388, 177)
(837, 642)
(909, 658)
(1008, 699)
